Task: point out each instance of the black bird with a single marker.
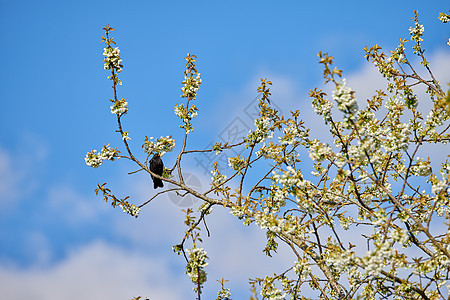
(157, 167)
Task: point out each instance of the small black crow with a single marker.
(157, 167)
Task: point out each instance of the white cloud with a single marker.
(95, 271)
(37, 246)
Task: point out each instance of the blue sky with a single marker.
(56, 234)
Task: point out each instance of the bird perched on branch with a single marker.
(157, 167)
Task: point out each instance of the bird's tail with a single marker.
(157, 183)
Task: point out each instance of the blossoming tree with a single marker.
(365, 185)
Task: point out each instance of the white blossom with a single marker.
(95, 160)
(112, 59)
(374, 261)
(323, 108)
(184, 115)
(269, 152)
(275, 294)
(302, 268)
(345, 99)
(223, 294)
(421, 168)
(237, 211)
(119, 107)
(107, 153)
(291, 135)
(132, 210)
(439, 187)
(340, 260)
(217, 178)
(444, 18)
(125, 136)
(195, 265)
(433, 119)
(236, 163)
(397, 138)
(417, 32)
(262, 131)
(92, 159)
(319, 151)
(161, 145)
(400, 235)
(191, 86)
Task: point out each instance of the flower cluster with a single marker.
(95, 160)
(191, 86)
(223, 294)
(265, 220)
(358, 152)
(398, 53)
(130, 209)
(345, 221)
(323, 108)
(192, 81)
(292, 134)
(340, 260)
(278, 199)
(269, 291)
(261, 133)
(374, 261)
(344, 96)
(217, 148)
(217, 178)
(319, 151)
(195, 265)
(421, 168)
(302, 268)
(186, 116)
(385, 66)
(112, 59)
(125, 136)
(395, 107)
(434, 119)
(400, 235)
(161, 145)
(416, 33)
(273, 151)
(236, 163)
(397, 138)
(237, 211)
(119, 107)
(290, 178)
(444, 18)
(439, 187)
